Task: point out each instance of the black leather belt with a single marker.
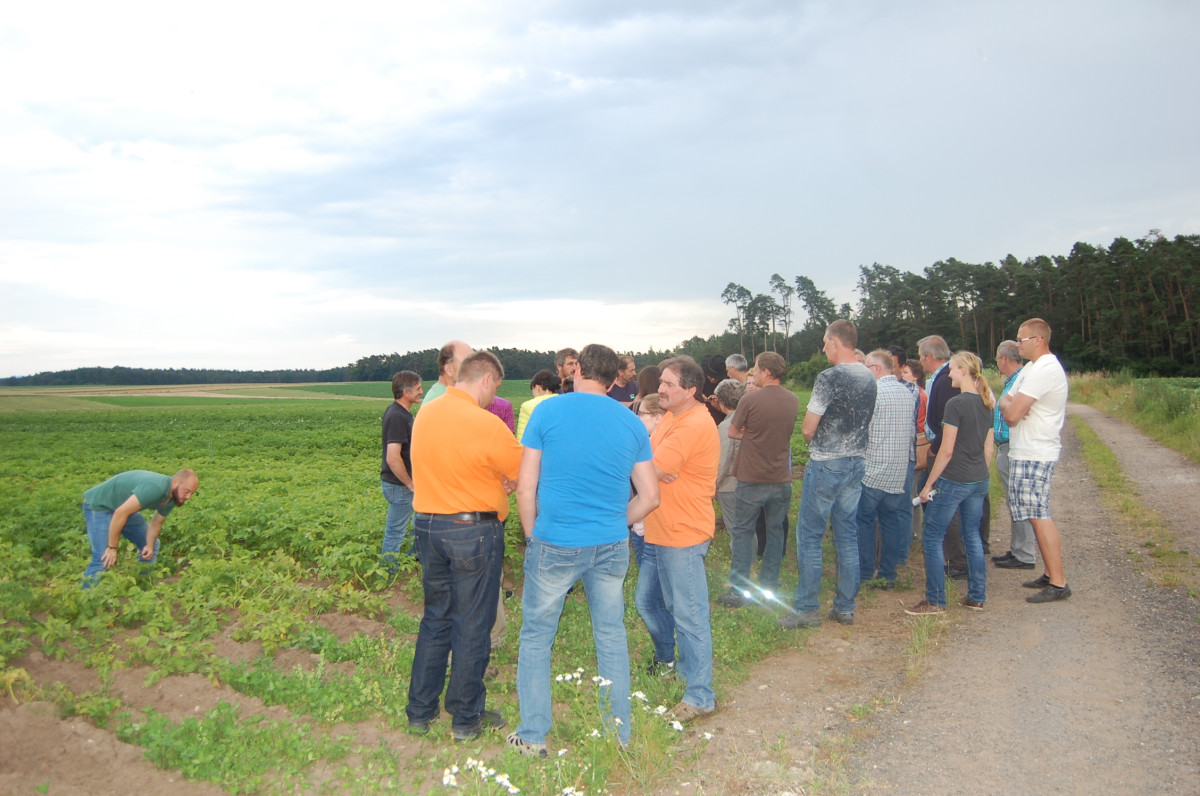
(466, 516)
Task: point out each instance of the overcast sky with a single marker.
(262, 185)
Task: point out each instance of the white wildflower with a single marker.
(675, 725)
(638, 695)
(708, 736)
(562, 752)
(595, 734)
(661, 710)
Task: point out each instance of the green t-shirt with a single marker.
(152, 489)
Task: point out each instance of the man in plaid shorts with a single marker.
(1035, 408)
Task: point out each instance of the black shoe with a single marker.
(420, 726)
(659, 668)
(845, 619)
(956, 574)
(1007, 555)
(1050, 594)
(1038, 583)
(488, 719)
(1014, 563)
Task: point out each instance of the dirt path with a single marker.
(1098, 694)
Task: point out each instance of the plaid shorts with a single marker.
(1029, 489)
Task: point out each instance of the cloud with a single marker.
(247, 173)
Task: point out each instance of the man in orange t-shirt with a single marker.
(687, 452)
(465, 464)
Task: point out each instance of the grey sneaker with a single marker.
(796, 620)
(1038, 583)
(526, 748)
(733, 598)
(1050, 594)
(838, 616)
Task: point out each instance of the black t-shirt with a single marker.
(397, 427)
(967, 413)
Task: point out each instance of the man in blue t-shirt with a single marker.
(574, 501)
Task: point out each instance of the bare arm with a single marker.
(156, 524)
(1013, 408)
(645, 481)
(527, 483)
(809, 427)
(395, 461)
(945, 453)
(116, 525)
(989, 446)
(735, 432)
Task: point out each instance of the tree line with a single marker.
(1130, 305)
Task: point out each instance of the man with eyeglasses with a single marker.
(1035, 409)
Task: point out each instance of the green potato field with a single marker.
(268, 611)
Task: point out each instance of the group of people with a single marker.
(594, 479)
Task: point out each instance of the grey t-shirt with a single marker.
(967, 413)
(844, 397)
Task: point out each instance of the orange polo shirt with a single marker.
(686, 444)
(459, 453)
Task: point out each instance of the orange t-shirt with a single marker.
(686, 444)
(459, 453)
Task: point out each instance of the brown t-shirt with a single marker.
(768, 418)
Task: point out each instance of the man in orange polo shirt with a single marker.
(465, 464)
(687, 452)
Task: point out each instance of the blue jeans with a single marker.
(750, 498)
(966, 498)
(97, 531)
(831, 489)
(685, 589)
(894, 512)
(550, 570)
(649, 600)
(460, 570)
(400, 511)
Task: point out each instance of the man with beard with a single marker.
(111, 510)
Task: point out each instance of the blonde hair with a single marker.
(973, 365)
(650, 405)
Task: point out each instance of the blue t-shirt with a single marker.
(589, 444)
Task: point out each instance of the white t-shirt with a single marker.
(1036, 437)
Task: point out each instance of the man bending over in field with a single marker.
(111, 510)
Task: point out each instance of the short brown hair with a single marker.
(690, 373)
(845, 332)
(1039, 328)
(772, 363)
(474, 367)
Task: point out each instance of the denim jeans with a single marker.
(649, 600)
(460, 570)
(97, 531)
(550, 570)
(400, 511)
(685, 589)
(966, 498)
(750, 499)
(894, 512)
(831, 490)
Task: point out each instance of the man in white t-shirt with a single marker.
(1035, 409)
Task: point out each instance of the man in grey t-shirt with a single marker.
(836, 427)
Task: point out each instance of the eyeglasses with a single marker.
(1027, 339)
